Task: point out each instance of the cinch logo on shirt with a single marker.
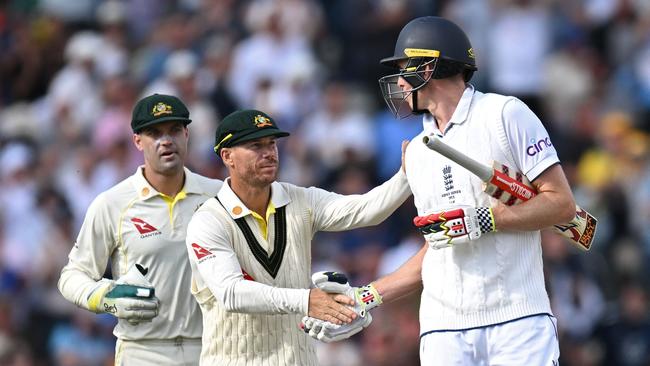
(538, 146)
(144, 228)
(200, 251)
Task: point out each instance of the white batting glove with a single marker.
(328, 332)
(460, 225)
(365, 297)
(131, 297)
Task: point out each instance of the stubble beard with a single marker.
(256, 180)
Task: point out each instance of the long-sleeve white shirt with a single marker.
(133, 223)
(254, 292)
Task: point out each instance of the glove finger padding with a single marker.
(327, 332)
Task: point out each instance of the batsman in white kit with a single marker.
(483, 298)
(250, 250)
(139, 227)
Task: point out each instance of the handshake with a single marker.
(365, 299)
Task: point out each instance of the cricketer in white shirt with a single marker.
(252, 279)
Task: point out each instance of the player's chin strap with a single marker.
(416, 110)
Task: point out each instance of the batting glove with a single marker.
(461, 225)
(365, 297)
(131, 297)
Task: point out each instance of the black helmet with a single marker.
(426, 41)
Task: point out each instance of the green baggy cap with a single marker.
(245, 125)
(158, 108)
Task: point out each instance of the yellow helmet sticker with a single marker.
(470, 52)
(421, 52)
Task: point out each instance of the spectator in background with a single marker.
(388, 132)
(73, 99)
(255, 60)
(339, 132)
(626, 339)
(180, 78)
(513, 69)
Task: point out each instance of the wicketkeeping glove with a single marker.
(365, 297)
(131, 297)
(447, 228)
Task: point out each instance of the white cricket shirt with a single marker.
(253, 288)
(133, 223)
(499, 276)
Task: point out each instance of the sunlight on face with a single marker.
(254, 162)
(164, 146)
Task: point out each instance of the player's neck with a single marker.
(168, 185)
(445, 99)
(255, 198)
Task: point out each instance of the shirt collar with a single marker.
(460, 114)
(236, 207)
(146, 190)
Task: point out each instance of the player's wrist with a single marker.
(367, 297)
(96, 296)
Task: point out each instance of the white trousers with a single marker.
(530, 341)
(176, 352)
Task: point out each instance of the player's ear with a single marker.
(137, 141)
(226, 156)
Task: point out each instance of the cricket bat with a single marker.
(510, 187)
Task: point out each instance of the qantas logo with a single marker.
(200, 251)
(144, 228)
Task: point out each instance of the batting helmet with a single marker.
(425, 41)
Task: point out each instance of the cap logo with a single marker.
(160, 109)
(421, 52)
(470, 52)
(261, 121)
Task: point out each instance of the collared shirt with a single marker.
(499, 276)
(133, 223)
(242, 276)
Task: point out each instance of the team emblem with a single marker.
(470, 53)
(447, 178)
(261, 121)
(161, 108)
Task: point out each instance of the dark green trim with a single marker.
(270, 263)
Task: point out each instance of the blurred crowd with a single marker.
(71, 71)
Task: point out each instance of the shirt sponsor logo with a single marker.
(538, 146)
(200, 251)
(144, 228)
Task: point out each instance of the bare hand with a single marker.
(405, 143)
(330, 307)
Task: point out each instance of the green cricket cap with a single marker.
(158, 108)
(245, 125)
